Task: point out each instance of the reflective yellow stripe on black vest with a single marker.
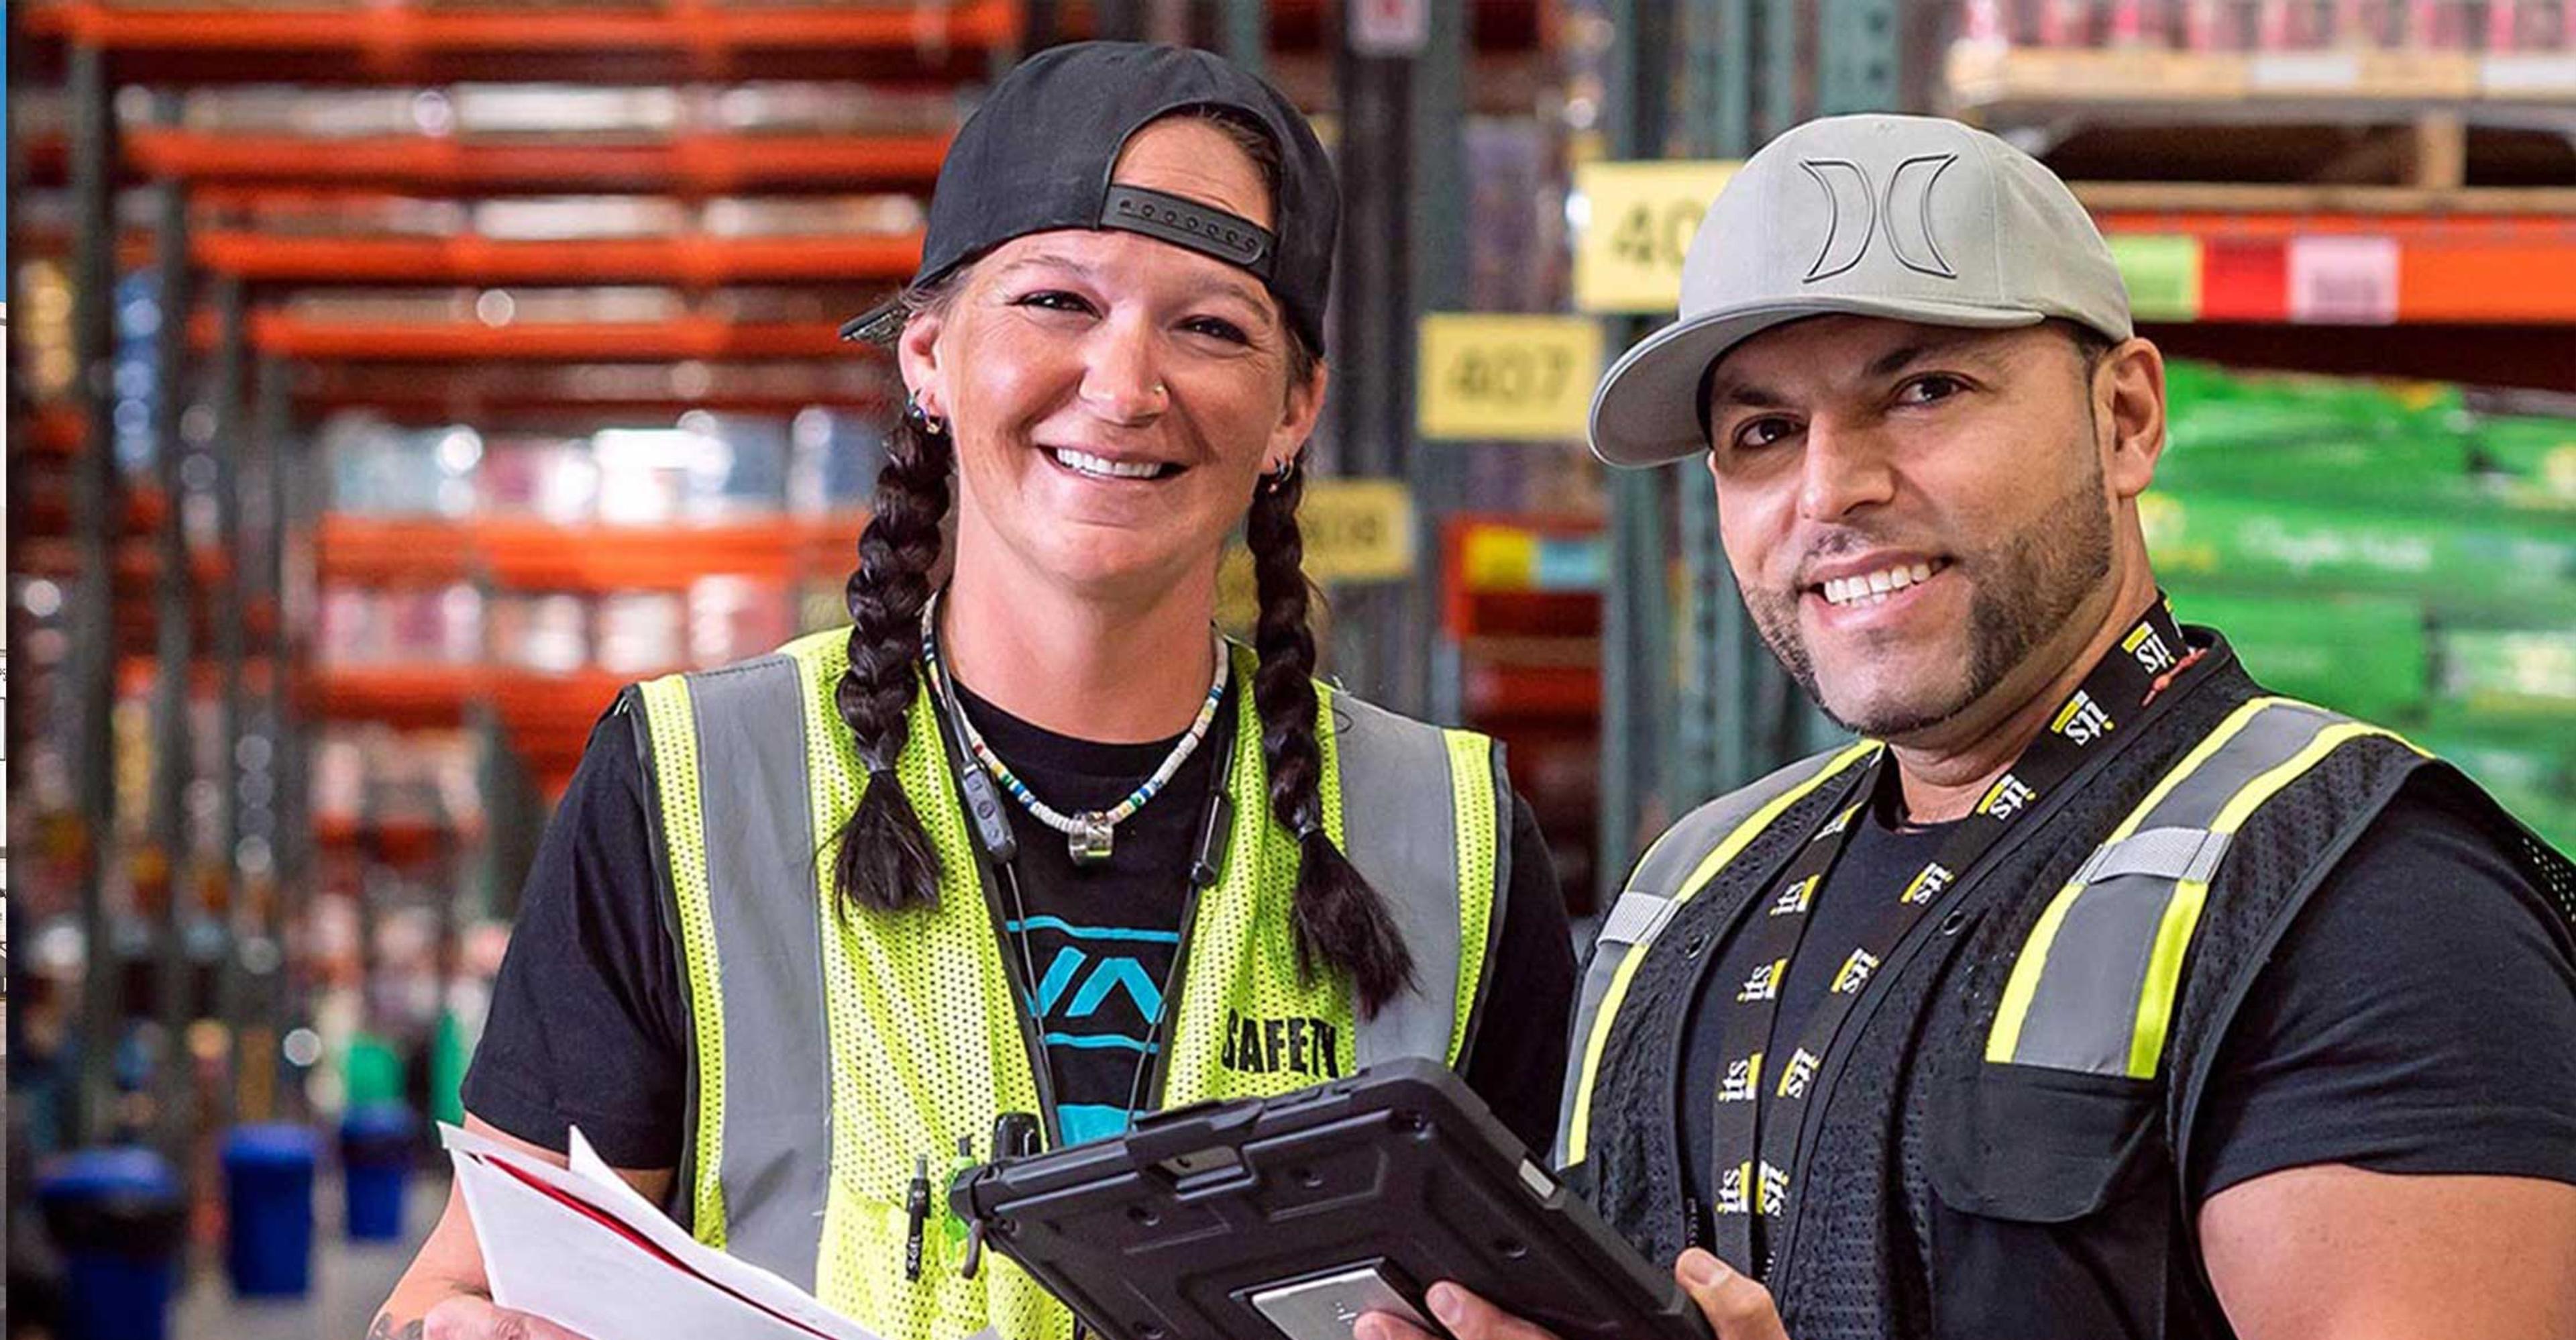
(829, 1054)
(2093, 987)
(1680, 864)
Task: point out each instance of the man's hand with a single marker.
(1737, 1308)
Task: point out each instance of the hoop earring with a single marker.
(1277, 479)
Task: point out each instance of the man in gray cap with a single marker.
(2093, 992)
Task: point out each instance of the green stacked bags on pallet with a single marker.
(2385, 551)
(2485, 563)
(2532, 460)
(2363, 655)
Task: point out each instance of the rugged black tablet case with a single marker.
(1170, 1231)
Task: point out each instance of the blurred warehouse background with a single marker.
(389, 382)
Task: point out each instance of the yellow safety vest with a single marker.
(832, 1049)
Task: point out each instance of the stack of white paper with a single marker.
(581, 1248)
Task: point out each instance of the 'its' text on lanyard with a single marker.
(1762, 1098)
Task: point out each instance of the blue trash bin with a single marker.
(376, 1141)
(268, 1184)
(119, 1219)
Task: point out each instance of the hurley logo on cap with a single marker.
(1854, 219)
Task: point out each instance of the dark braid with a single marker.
(886, 862)
(1341, 922)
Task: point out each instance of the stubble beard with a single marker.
(2026, 588)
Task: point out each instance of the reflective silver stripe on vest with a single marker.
(760, 848)
(2174, 854)
(1647, 905)
(1400, 829)
(2097, 946)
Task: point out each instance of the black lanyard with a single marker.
(999, 852)
(1764, 1093)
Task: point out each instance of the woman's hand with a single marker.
(468, 1318)
(1737, 1308)
(445, 1295)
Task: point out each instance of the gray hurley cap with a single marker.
(1910, 218)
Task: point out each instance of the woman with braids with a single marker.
(1027, 846)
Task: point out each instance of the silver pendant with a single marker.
(1089, 841)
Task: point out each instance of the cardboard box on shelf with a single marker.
(641, 632)
(736, 618)
(378, 468)
(545, 478)
(559, 111)
(781, 107)
(548, 632)
(580, 218)
(820, 216)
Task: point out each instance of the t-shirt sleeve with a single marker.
(1517, 1064)
(2419, 1016)
(586, 1026)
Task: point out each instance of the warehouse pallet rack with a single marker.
(234, 611)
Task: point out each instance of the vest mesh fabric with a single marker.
(1861, 1264)
(923, 1032)
(944, 967)
(1476, 804)
(675, 771)
(1241, 958)
(2277, 875)
(1632, 1154)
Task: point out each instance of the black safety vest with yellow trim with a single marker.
(1996, 1139)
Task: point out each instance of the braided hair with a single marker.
(1341, 922)
(886, 862)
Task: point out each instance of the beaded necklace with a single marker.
(1088, 835)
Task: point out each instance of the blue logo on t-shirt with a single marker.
(1098, 997)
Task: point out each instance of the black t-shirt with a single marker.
(1096, 942)
(588, 1023)
(2392, 1029)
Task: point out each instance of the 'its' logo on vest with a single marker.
(1928, 885)
(1855, 973)
(2082, 719)
(1841, 822)
(1764, 984)
(2148, 646)
(1743, 1080)
(2006, 797)
(1295, 1045)
(1800, 1073)
(1735, 1190)
(1795, 898)
(1775, 1190)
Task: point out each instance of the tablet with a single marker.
(1265, 1218)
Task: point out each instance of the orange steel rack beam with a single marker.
(687, 164)
(693, 260)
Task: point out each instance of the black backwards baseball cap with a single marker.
(1036, 157)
